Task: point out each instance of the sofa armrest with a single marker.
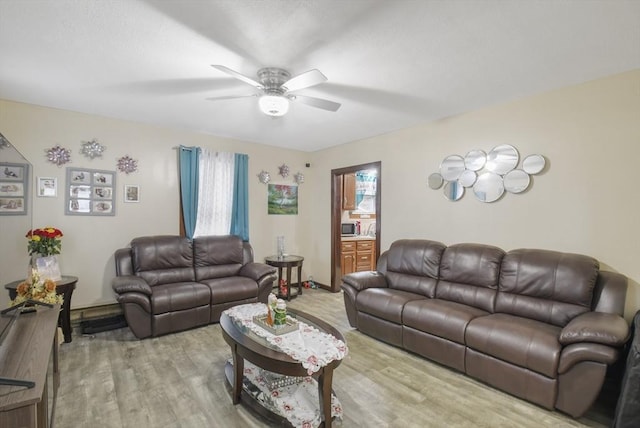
(596, 327)
(257, 271)
(578, 352)
(363, 280)
(130, 284)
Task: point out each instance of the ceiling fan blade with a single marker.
(237, 75)
(230, 97)
(304, 80)
(316, 102)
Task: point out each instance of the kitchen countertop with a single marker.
(358, 238)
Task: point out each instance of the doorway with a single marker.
(337, 196)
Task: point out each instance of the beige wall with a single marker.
(586, 201)
(89, 242)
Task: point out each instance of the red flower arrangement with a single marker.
(45, 241)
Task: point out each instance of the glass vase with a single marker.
(280, 247)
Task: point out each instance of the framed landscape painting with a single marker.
(282, 199)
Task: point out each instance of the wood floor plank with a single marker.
(115, 380)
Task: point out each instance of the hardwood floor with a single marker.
(115, 380)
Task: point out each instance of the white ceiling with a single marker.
(392, 64)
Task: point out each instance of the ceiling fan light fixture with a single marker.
(274, 105)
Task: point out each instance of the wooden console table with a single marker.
(25, 355)
(64, 287)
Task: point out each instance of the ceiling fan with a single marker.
(276, 86)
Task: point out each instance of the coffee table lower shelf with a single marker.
(249, 396)
(251, 402)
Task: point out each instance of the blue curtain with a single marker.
(189, 187)
(240, 210)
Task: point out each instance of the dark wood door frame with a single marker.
(336, 215)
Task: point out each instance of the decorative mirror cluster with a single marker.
(489, 175)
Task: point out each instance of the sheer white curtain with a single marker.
(215, 199)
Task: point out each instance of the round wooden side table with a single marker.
(287, 262)
(64, 287)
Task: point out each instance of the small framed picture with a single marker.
(79, 177)
(47, 187)
(131, 193)
(13, 172)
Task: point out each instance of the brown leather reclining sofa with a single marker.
(169, 283)
(541, 325)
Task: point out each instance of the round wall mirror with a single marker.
(502, 159)
(435, 181)
(533, 164)
(489, 187)
(516, 181)
(453, 191)
(451, 167)
(475, 160)
(467, 178)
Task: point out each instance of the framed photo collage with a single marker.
(14, 188)
(90, 192)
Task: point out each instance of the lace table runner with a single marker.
(311, 347)
(298, 402)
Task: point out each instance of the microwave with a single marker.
(349, 229)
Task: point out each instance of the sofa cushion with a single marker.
(179, 296)
(162, 259)
(413, 265)
(385, 303)
(231, 289)
(520, 341)
(440, 318)
(469, 274)
(547, 286)
(217, 256)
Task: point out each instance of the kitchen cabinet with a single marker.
(357, 255)
(349, 191)
(348, 257)
(365, 259)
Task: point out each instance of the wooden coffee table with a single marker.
(246, 345)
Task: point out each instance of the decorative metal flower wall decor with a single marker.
(298, 177)
(264, 177)
(127, 165)
(4, 143)
(92, 149)
(284, 170)
(58, 155)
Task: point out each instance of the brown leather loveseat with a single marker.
(538, 324)
(169, 283)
